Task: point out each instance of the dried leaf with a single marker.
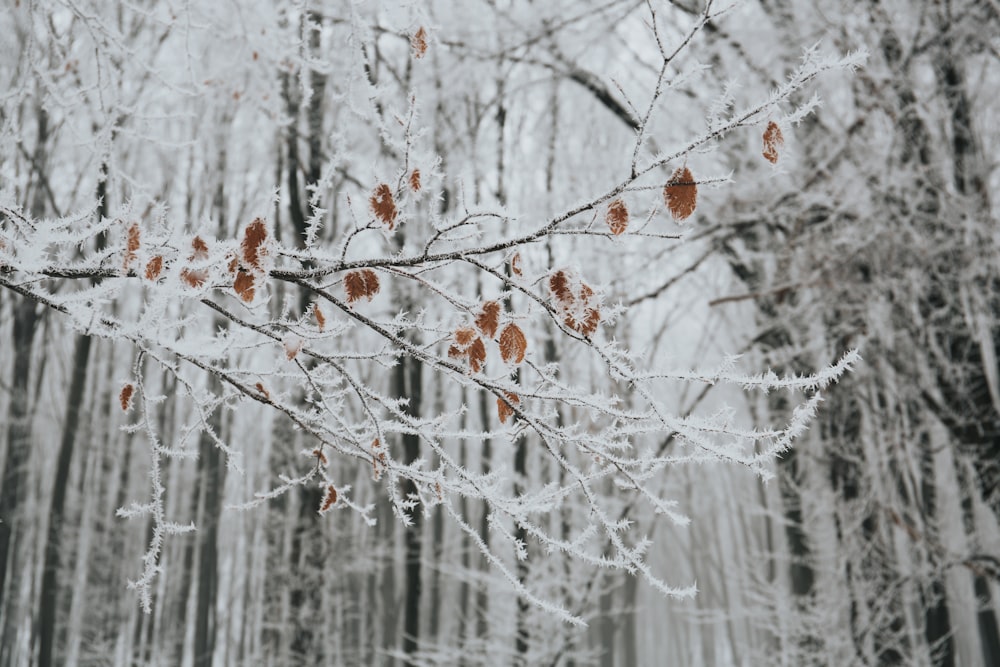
(681, 193)
(200, 249)
(515, 264)
(320, 456)
(131, 244)
(293, 344)
(194, 278)
(419, 43)
(154, 267)
(488, 318)
(617, 217)
(477, 355)
(264, 392)
(589, 325)
(330, 499)
(379, 460)
(244, 285)
(383, 205)
(512, 344)
(361, 284)
(320, 318)
(773, 139)
(415, 180)
(559, 286)
(125, 396)
(504, 409)
(252, 246)
(464, 336)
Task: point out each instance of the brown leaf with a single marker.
(419, 43)
(681, 193)
(125, 396)
(194, 278)
(773, 139)
(244, 285)
(252, 246)
(477, 355)
(617, 217)
(464, 336)
(515, 264)
(362, 284)
(383, 205)
(154, 267)
(330, 499)
(415, 180)
(320, 318)
(488, 318)
(200, 249)
(512, 344)
(260, 387)
(504, 409)
(320, 456)
(559, 286)
(292, 344)
(589, 325)
(131, 244)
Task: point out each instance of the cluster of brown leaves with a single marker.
(199, 253)
(249, 266)
(468, 345)
(617, 217)
(329, 499)
(125, 396)
(773, 140)
(419, 43)
(383, 205)
(131, 244)
(504, 409)
(379, 460)
(361, 284)
(681, 193)
(576, 302)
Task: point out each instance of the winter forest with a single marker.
(499, 332)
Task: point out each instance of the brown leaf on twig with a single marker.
(681, 193)
(125, 396)
(131, 244)
(477, 355)
(559, 286)
(362, 284)
(617, 217)
(194, 278)
(260, 387)
(773, 140)
(320, 318)
(330, 499)
(292, 344)
(504, 409)
(383, 205)
(515, 264)
(244, 285)
(419, 43)
(415, 180)
(200, 249)
(154, 267)
(488, 318)
(252, 246)
(513, 344)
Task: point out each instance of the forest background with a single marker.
(499, 332)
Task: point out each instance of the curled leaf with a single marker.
(681, 193)
(415, 180)
(515, 264)
(329, 499)
(320, 318)
(773, 140)
(131, 244)
(260, 387)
